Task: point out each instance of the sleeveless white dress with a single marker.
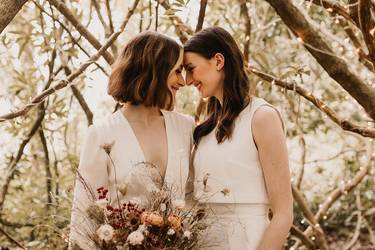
(229, 181)
(96, 169)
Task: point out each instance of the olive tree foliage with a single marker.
(314, 60)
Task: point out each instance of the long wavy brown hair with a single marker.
(139, 75)
(236, 87)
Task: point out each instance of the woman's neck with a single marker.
(140, 113)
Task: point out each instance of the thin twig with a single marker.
(334, 8)
(245, 13)
(34, 128)
(310, 217)
(101, 19)
(81, 100)
(181, 28)
(343, 123)
(346, 188)
(366, 24)
(302, 162)
(68, 81)
(359, 223)
(47, 168)
(156, 16)
(309, 244)
(81, 29)
(11, 238)
(74, 40)
(202, 12)
(109, 13)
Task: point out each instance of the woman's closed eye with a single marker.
(189, 69)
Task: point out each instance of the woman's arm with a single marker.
(270, 140)
(93, 170)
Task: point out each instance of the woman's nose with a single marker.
(189, 80)
(181, 81)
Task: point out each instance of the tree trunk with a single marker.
(8, 10)
(333, 65)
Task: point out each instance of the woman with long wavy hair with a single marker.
(240, 157)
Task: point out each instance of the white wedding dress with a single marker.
(229, 181)
(97, 170)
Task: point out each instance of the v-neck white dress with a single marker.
(97, 170)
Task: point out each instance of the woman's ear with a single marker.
(219, 61)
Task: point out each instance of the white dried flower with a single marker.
(205, 180)
(187, 234)
(163, 207)
(105, 232)
(102, 203)
(179, 203)
(123, 188)
(142, 228)
(107, 147)
(171, 232)
(225, 191)
(135, 201)
(135, 238)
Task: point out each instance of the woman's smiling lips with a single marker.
(175, 88)
(198, 85)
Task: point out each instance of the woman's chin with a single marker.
(205, 95)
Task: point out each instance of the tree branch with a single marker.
(80, 28)
(74, 40)
(63, 83)
(309, 244)
(109, 13)
(101, 19)
(13, 163)
(343, 123)
(8, 10)
(47, 168)
(303, 162)
(81, 100)
(40, 117)
(363, 58)
(245, 13)
(310, 217)
(345, 189)
(202, 12)
(11, 239)
(334, 8)
(366, 24)
(181, 28)
(348, 187)
(319, 49)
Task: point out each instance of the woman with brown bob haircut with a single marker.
(144, 79)
(240, 157)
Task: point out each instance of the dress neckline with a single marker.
(139, 148)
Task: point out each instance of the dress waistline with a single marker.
(236, 209)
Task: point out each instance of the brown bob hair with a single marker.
(236, 88)
(140, 73)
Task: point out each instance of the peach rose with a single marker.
(175, 222)
(152, 218)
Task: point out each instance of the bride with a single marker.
(145, 78)
(240, 156)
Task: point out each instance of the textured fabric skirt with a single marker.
(235, 226)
